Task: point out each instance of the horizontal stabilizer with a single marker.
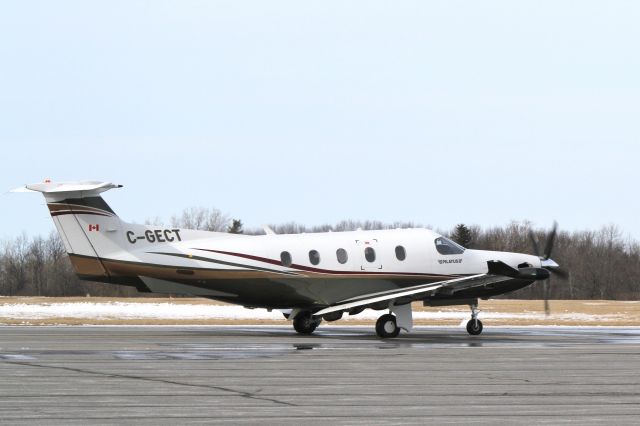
(57, 191)
(53, 187)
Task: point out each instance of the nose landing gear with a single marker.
(474, 326)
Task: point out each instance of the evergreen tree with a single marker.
(462, 235)
(235, 227)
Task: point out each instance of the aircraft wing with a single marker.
(448, 286)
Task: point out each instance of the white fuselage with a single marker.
(421, 256)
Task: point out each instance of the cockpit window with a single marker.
(446, 246)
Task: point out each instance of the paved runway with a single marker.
(253, 374)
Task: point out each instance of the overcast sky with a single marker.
(437, 112)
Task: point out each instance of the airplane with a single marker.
(309, 277)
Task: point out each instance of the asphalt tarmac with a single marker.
(345, 375)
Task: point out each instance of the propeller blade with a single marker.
(534, 243)
(547, 308)
(559, 272)
(548, 248)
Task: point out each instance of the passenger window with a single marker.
(401, 253)
(314, 257)
(370, 254)
(446, 246)
(342, 255)
(285, 258)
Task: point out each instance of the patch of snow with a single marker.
(171, 311)
(125, 310)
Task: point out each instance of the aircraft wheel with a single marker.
(304, 323)
(386, 326)
(474, 327)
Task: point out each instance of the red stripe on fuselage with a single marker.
(320, 270)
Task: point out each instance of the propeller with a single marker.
(545, 292)
(548, 247)
(546, 262)
(545, 258)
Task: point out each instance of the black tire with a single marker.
(386, 327)
(304, 323)
(474, 327)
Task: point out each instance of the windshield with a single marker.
(446, 246)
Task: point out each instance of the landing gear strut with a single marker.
(387, 327)
(474, 326)
(305, 323)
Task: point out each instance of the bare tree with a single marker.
(37, 264)
(201, 218)
(602, 263)
(62, 278)
(154, 221)
(15, 265)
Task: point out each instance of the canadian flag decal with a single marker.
(95, 227)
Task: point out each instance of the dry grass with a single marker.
(564, 312)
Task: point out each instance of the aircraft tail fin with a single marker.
(87, 225)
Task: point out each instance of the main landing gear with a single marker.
(474, 326)
(305, 323)
(387, 327)
(399, 318)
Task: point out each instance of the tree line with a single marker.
(602, 264)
